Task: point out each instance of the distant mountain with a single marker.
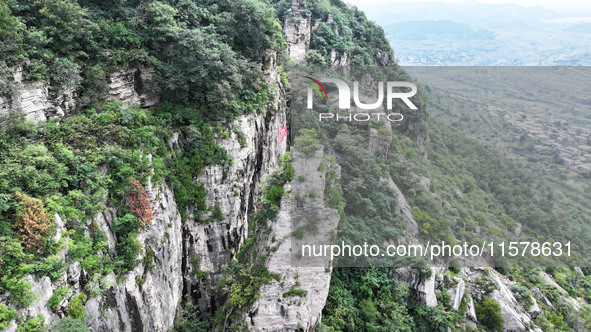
(471, 13)
(423, 30)
(439, 34)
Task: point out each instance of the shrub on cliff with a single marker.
(139, 204)
(31, 222)
(68, 324)
(488, 312)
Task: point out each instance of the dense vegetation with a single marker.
(209, 57)
(203, 52)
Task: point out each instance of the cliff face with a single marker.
(234, 190)
(279, 308)
(148, 297)
(297, 30)
(151, 305)
(126, 305)
(39, 101)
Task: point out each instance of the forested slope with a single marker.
(145, 186)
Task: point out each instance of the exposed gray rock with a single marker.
(425, 182)
(575, 303)
(273, 312)
(517, 231)
(43, 288)
(234, 189)
(340, 59)
(534, 310)
(73, 274)
(11, 327)
(30, 99)
(297, 30)
(150, 306)
(403, 208)
(471, 312)
(39, 101)
(424, 287)
(514, 321)
(551, 281)
(380, 139)
(542, 298)
(59, 227)
(512, 312)
(134, 87)
(457, 292)
(579, 272)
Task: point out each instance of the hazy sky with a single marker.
(551, 4)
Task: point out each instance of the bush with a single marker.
(488, 312)
(217, 213)
(6, 315)
(190, 320)
(36, 324)
(66, 74)
(68, 324)
(11, 255)
(57, 297)
(20, 291)
(307, 142)
(76, 308)
(31, 221)
(275, 194)
(299, 234)
(295, 292)
(139, 204)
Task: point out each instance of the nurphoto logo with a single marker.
(344, 98)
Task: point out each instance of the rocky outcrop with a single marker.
(424, 287)
(129, 305)
(37, 101)
(516, 317)
(404, 209)
(255, 145)
(456, 292)
(542, 298)
(471, 318)
(274, 311)
(380, 139)
(134, 87)
(150, 305)
(297, 30)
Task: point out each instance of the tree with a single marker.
(307, 142)
(488, 312)
(161, 28)
(31, 221)
(36, 324)
(66, 23)
(9, 47)
(11, 255)
(204, 70)
(313, 57)
(139, 204)
(68, 324)
(76, 308)
(6, 315)
(190, 320)
(249, 26)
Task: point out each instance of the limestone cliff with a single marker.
(280, 308)
(148, 297)
(126, 305)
